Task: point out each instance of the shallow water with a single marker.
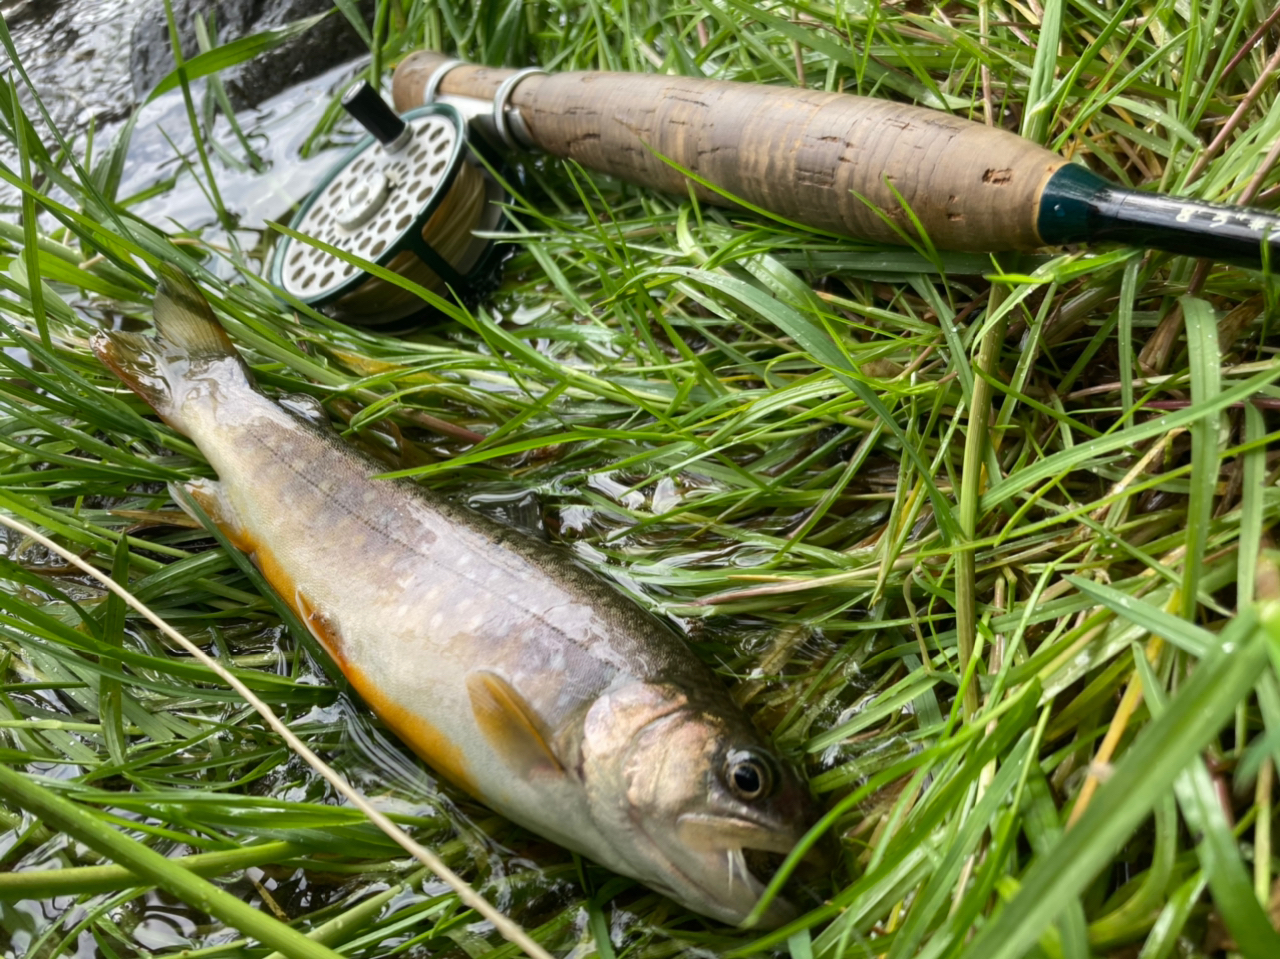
(77, 57)
(277, 130)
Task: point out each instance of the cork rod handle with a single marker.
(801, 154)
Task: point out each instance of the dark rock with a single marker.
(20, 11)
(331, 41)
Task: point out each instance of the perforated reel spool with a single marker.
(410, 207)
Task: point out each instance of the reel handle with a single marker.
(804, 155)
(367, 107)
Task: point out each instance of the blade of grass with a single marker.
(155, 868)
(144, 863)
(1202, 344)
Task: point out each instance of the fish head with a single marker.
(692, 800)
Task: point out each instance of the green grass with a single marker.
(984, 542)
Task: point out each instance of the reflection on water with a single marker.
(276, 129)
(77, 56)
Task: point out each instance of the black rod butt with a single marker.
(1078, 206)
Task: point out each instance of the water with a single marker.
(277, 130)
(77, 57)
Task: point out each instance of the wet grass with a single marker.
(984, 542)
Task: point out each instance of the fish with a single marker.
(515, 673)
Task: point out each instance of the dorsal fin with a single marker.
(510, 724)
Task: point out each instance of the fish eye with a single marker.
(748, 775)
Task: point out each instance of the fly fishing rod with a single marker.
(416, 195)
(832, 161)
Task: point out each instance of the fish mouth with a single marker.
(762, 864)
(740, 860)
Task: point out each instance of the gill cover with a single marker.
(660, 778)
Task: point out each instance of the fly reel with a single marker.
(409, 197)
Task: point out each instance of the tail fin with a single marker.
(185, 319)
(190, 344)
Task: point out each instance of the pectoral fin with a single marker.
(510, 724)
(209, 496)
